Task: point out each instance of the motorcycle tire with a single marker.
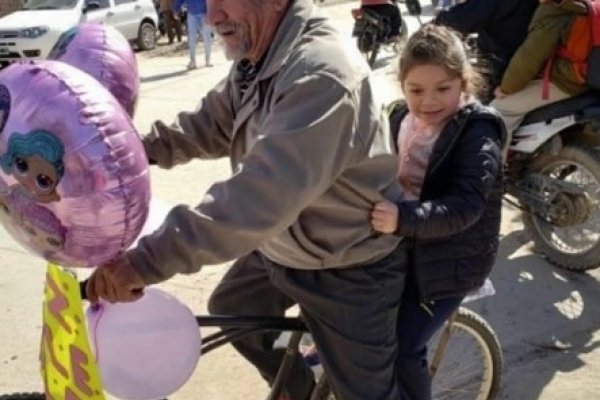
(546, 237)
(367, 45)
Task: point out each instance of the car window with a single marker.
(48, 4)
(97, 4)
(119, 2)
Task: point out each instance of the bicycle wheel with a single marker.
(470, 366)
(23, 396)
(471, 363)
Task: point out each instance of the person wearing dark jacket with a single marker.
(387, 9)
(449, 148)
(500, 25)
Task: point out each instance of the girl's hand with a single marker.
(384, 217)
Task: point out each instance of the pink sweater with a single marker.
(415, 143)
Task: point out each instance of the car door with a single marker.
(96, 11)
(127, 17)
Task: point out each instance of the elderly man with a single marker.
(311, 154)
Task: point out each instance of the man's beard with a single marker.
(241, 33)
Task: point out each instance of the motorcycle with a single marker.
(553, 172)
(372, 32)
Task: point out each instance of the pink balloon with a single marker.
(74, 183)
(104, 53)
(147, 349)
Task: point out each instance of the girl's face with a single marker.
(432, 94)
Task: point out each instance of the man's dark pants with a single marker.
(351, 313)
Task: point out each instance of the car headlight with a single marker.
(34, 32)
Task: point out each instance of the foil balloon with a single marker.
(147, 349)
(74, 183)
(104, 53)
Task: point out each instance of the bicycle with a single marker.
(453, 377)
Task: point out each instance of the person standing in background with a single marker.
(196, 22)
(172, 22)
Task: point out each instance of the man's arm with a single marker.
(204, 133)
(307, 142)
(530, 58)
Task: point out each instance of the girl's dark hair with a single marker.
(439, 45)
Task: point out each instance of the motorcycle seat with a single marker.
(584, 105)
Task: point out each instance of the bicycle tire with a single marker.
(467, 321)
(474, 325)
(23, 396)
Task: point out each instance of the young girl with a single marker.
(449, 149)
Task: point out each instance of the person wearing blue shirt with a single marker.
(196, 22)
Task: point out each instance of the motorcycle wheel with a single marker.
(574, 247)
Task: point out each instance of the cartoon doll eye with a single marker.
(30, 230)
(21, 165)
(43, 182)
(53, 242)
(4, 208)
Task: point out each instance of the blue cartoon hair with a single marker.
(38, 142)
(4, 106)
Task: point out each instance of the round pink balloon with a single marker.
(147, 349)
(104, 53)
(74, 183)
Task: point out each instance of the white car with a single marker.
(32, 31)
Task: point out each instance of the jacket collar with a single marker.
(399, 110)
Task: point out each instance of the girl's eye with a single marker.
(30, 230)
(444, 88)
(43, 182)
(416, 91)
(21, 166)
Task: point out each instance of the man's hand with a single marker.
(384, 217)
(115, 281)
(498, 93)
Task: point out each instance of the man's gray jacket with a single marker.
(310, 152)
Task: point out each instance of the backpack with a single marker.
(582, 48)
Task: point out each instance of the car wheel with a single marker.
(146, 39)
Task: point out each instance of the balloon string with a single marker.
(99, 309)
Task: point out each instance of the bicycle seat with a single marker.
(583, 105)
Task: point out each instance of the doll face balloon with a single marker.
(4, 106)
(74, 184)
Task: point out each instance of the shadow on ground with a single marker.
(540, 312)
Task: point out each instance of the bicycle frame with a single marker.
(236, 327)
(442, 344)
